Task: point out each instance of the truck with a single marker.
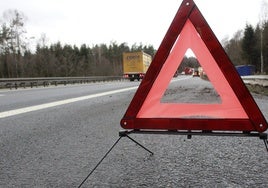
(135, 65)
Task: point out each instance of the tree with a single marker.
(233, 48)
(249, 47)
(4, 37)
(12, 42)
(265, 47)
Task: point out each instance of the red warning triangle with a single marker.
(237, 110)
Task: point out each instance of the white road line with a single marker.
(67, 101)
(62, 102)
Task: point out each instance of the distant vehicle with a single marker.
(188, 71)
(135, 65)
(245, 70)
(196, 73)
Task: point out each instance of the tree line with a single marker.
(68, 61)
(248, 46)
(59, 60)
(56, 60)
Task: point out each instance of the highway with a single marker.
(53, 137)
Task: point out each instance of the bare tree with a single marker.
(42, 42)
(15, 22)
(13, 42)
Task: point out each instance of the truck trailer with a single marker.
(135, 65)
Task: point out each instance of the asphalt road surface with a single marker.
(53, 137)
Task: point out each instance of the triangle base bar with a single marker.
(188, 124)
(190, 133)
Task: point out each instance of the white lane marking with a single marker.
(1, 95)
(67, 101)
(62, 102)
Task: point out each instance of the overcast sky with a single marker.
(131, 21)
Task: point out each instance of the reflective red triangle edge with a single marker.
(256, 121)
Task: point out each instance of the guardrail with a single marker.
(35, 82)
(10, 83)
(261, 80)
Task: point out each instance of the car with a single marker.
(196, 73)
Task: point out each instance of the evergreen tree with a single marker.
(249, 47)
